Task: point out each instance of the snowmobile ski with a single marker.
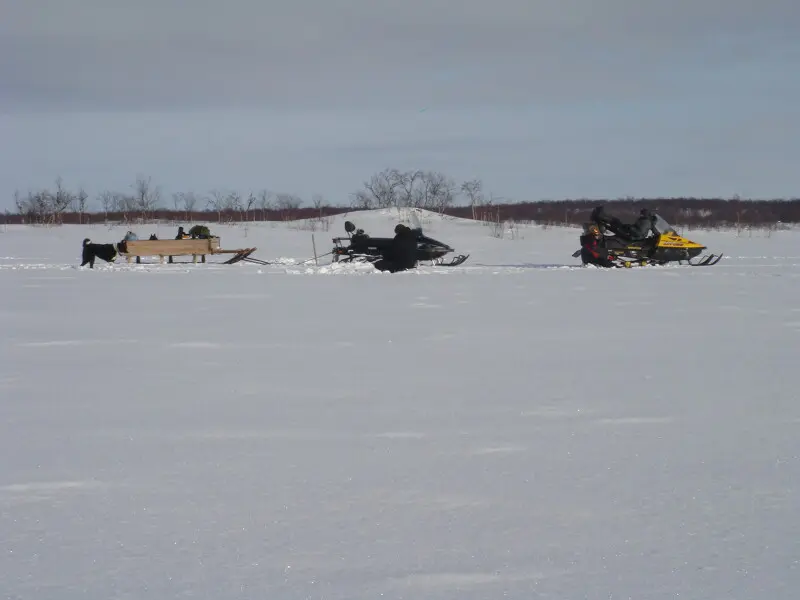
(453, 262)
(706, 261)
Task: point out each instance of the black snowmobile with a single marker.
(649, 241)
(365, 247)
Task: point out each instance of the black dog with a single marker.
(91, 251)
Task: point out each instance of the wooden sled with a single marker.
(200, 247)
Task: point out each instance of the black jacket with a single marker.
(642, 227)
(403, 253)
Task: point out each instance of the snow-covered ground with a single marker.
(516, 427)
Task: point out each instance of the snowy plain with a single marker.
(516, 427)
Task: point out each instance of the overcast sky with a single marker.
(539, 98)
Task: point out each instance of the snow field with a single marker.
(515, 427)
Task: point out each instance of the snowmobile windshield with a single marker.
(661, 226)
(414, 221)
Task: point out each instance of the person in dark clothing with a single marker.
(593, 251)
(402, 254)
(642, 226)
(359, 238)
(91, 251)
(633, 232)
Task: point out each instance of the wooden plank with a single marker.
(187, 247)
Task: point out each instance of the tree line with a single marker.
(390, 188)
(691, 212)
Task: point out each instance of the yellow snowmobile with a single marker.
(649, 241)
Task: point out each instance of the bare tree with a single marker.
(79, 202)
(184, 201)
(288, 201)
(264, 202)
(406, 183)
(473, 190)
(147, 196)
(44, 207)
(216, 202)
(226, 203)
(442, 190)
(26, 205)
(430, 190)
(126, 204)
(59, 202)
(381, 191)
(320, 220)
(287, 204)
(421, 194)
(249, 204)
(318, 202)
(233, 203)
(362, 199)
(41, 206)
(107, 199)
(420, 189)
(189, 202)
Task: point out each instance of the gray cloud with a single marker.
(539, 98)
(154, 54)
